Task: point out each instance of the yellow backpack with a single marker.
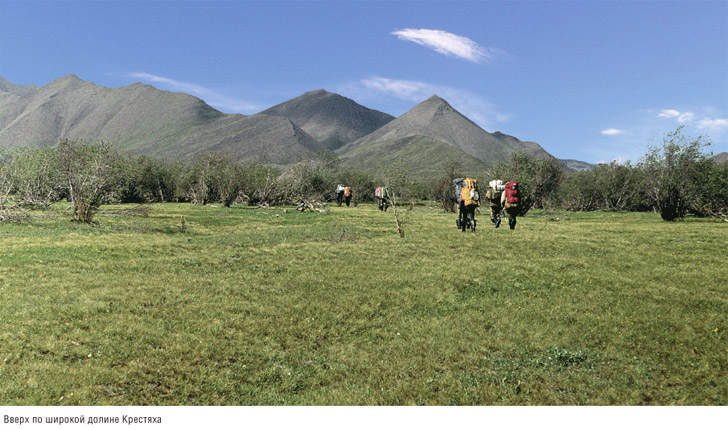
(469, 192)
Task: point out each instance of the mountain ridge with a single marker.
(145, 120)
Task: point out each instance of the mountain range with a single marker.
(144, 120)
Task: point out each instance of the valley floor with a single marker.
(178, 304)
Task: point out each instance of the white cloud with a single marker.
(612, 132)
(471, 105)
(401, 89)
(210, 97)
(713, 124)
(682, 117)
(669, 113)
(446, 43)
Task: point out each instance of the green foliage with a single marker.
(259, 183)
(672, 172)
(7, 178)
(38, 179)
(304, 181)
(89, 171)
(146, 179)
(442, 192)
(609, 187)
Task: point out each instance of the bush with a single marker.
(38, 179)
(88, 170)
(610, 187)
(674, 175)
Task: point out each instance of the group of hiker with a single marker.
(501, 197)
(343, 194)
(381, 196)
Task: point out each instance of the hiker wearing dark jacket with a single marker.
(493, 195)
(339, 194)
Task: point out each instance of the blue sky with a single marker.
(588, 80)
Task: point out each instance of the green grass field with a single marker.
(243, 306)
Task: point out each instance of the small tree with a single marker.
(88, 170)
(443, 192)
(397, 183)
(7, 179)
(38, 179)
(671, 172)
(226, 178)
(259, 183)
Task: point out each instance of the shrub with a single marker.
(673, 172)
(88, 170)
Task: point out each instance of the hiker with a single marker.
(382, 198)
(466, 193)
(339, 194)
(510, 199)
(493, 195)
(347, 196)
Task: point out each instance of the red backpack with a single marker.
(512, 197)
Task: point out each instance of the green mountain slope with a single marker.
(434, 119)
(330, 118)
(422, 157)
(141, 119)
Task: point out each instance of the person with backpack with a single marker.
(347, 196)
(510, 200)
(382, 198)
(466, 193)
(493, 195)
(339, 194)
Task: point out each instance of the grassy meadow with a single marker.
(204, 305)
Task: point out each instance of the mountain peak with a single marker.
(332, 119)
(66, 81)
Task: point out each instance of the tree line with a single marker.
(675, 179)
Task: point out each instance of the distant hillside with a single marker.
(437, 121)
(144, 120)
(330, 118)
(423, 157)
(721, 158)
(576, 165)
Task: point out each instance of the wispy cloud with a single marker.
(682, 117)
(612, 132)
(713, 124)
(210, 97)
(447, 43)
(471, 105)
